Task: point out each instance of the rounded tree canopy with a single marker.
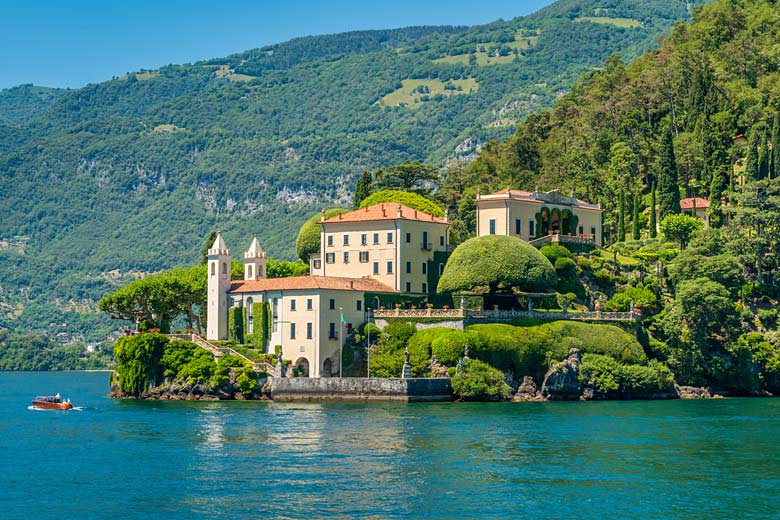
(411, 200)
(495, 262)
(308, 240)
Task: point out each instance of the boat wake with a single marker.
(74, 409)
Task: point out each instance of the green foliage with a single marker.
(284, 269)
(479, 382)
(236, 324)
(680, 228)
(411, 200)
(409, 176)
(138, 361)
(387, 359)
(247, 381)
(555, 251)
(668, 184)
(308, 240)
(621, 231)
(608, 377)
(642, 297)
(653, 214)
(363, 189)
(261, 327)
(491, 263)
(448, 347)
(36, 352)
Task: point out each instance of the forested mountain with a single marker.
(101, 183)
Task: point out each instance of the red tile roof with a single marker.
(298, 283)
(385, 211)
(700, 203)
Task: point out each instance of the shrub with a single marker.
(643, 298)
(236, 324)
(768, 317)
(387, 359)
(448, 347)
(420, 348)
(479, 381)
(247, 381)
(138, 361)
(608, 377)
(554, 252)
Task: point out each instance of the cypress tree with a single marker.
(763, 158)
(621, 234)
(635, 233)
(362, 188)
(774, 169)
(668, 188)
(751, 161)
(653, 223)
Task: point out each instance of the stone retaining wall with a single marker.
(360, 389)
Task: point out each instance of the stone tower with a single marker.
(255, 262)
(218, 286)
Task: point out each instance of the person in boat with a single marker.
(57, 397)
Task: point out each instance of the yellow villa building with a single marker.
(379, 250)
(534, 215)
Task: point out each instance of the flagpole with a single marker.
(341, 339)
(368, 346)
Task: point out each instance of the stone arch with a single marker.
(224, 267)
(302, 365)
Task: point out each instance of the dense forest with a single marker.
(101, 184)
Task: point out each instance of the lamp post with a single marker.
(368, 345)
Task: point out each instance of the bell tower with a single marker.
(218, 287)
(255, 262)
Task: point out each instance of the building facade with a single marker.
(531, 215)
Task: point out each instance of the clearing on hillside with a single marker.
(414, 92)
(492, 53)
(625, 23)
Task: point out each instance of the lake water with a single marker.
(142, 460)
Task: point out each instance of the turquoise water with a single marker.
(142, 460)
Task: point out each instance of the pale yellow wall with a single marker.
(506, 212)
(319, 347)
(399, 251)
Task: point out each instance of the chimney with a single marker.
(384, 211)
(447, 215)
(400, 213)
(322, 218)
(351, 284)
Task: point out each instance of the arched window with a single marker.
(224, 268)
(249, 315)
(213, 268)
(249, 271)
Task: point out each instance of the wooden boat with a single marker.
(51, 402)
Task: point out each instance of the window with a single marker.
(363, 239)
(492, 224)
(408, 267)
(249, 315)
(531, 228)
(292, 330)
(317, 263)
(249, 271)
(425, 287)
(331, 330)
(332, 304)
(376, 267)
(425, 243)
(359, 305)
(593, 233)
(346, 257)
(376, 238)
(408, 238)
(330, 240)
(292, 305)
(213, 269)
(425, 268)
(408, 286)
(364, 256)
(330, 258)
(389, 238)
(518, 226)
(309, 304)
(389, 267)
(582, 230)
(224, 268)
(346, 240)
(309, 330)
(441, 240)
(275, 315)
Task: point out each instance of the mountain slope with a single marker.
(131, 174)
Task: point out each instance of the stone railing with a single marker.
(497, 314)
(563, 239)
(419, 313)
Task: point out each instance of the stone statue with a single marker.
(466, 351)
(406, 356)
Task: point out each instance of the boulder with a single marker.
(562, 381)
(527, 391)
(692, 392)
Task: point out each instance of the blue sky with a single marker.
(69, 43)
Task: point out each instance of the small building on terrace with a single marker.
(534, 215)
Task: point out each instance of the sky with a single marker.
(69, 43)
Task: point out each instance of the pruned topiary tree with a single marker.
(308, 240)
(408, 199)
(496, 263)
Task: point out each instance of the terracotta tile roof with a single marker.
(539, 198)
(700, 203)
(385, 211)
(298, 283)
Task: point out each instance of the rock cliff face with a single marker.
(527, 391)
(182, 390)
(561, 381)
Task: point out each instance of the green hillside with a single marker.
(105, 182)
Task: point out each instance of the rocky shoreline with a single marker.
(185, 391)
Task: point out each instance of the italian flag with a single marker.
(343, 321)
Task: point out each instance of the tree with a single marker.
(680, 228)
(763, 157)
(668, 188)
(635, 232)
(412, 176)
(204, 252)
(720, 180)
(362, 189)
(621, 231)
(751, 161)
(774, 170)
(308, 240)
(653, 213)
(479, 381)
(493, 263)
(411, 200)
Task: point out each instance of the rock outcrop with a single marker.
(527, 391)
(183, 390)
(562, 381)
(692, 392)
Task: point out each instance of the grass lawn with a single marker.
(625, 23)
(410, 96)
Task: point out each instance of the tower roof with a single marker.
(254, 251)
(219, 247)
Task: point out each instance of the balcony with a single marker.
(426, 246)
